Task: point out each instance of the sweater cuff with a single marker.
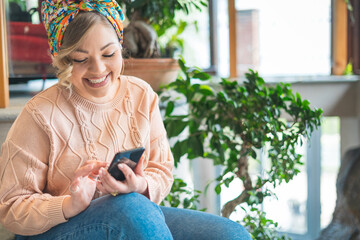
(153, 190)
(55, 210)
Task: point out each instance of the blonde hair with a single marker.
(73, 36)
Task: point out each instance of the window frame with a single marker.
(353, 37)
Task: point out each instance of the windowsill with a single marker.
(10, 113)
(305, 79)
(312, 79)
(19, 95)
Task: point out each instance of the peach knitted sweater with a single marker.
(58, 131)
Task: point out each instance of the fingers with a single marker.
(84, 170)
(139, 169)
(134, 182)
(82, 188)
(127, 171)
(101, 188)
(91, 168)
(95, 172)
(106, 177)
(85, 178)
(108, 184)
(74, 186)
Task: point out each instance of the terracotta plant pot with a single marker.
(155, 71)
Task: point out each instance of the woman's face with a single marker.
(97, 64)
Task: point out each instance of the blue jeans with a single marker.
(133, 216)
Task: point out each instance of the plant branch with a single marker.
(242, 173)
(243, 166)
(230, 206)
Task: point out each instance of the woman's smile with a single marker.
(97, 82)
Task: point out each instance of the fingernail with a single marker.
(93, 177)
(121, 166)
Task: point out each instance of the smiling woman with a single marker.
(81, 35)
(59, 185)
(97, 61)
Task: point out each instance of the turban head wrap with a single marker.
(57, 14)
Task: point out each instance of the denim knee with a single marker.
(127, 205)
(196, 225)
(134, 215)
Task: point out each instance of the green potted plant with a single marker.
(229, 122)
(149, 20)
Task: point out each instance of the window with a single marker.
(195, 37)
(197, 40)
(29, 55)
(281, 36)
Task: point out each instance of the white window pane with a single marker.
(197, 43)
(289, 210)
(293, 36)
(196, 37)
(330, 164)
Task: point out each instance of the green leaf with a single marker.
(306, 103)
(179, 149)
(175, 127)
(181, 27)
(228, 181)
(196, 147)
(218, 189)
(182, 65)
(206, 90)
(169, 108)
(298, 98)
(202, 76)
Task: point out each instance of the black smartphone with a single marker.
(130, 157)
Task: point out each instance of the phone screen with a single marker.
(130, 157)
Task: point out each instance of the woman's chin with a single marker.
(101, 92)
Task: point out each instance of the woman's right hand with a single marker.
(82, 188)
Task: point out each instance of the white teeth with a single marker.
(99, 80)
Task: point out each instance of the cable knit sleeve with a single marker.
(159, 168)
(24, 208)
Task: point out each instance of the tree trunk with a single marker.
(242, 173)
(230, 206)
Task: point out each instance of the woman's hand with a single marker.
(82, 188)
(134, 180)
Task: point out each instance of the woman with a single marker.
(54, 178)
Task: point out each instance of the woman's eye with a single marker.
(109, 55)
(79, 61)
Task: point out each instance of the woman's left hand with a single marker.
(134, 180)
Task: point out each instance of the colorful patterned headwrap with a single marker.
(57, 14)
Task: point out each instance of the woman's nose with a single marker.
(97, 66)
